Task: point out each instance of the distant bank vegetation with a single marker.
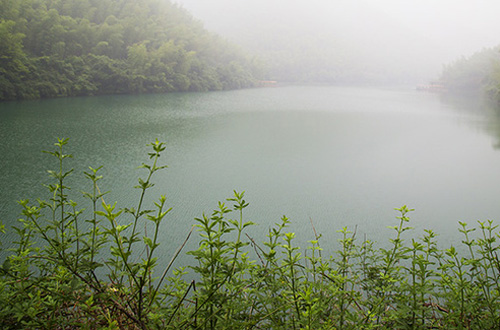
(477, 73)
(51, 48)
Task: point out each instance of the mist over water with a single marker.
(361, 41)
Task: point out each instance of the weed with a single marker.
(61, 274)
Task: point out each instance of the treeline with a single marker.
(477, 73)
(51, 48)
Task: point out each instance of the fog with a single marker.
(354, 40)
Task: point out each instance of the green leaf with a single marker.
(148, 241)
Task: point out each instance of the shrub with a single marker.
(53, 277)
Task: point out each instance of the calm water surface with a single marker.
(336, 156)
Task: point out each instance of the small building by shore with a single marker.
(267, 83)
(432, 88)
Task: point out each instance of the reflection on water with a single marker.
(339, 156)
(486, 111)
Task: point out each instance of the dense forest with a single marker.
(51, 48)
(477, 73)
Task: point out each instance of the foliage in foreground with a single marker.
(59, 276)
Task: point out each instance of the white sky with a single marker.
(442, 29)
(467, 24)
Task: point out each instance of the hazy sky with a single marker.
(420, 33)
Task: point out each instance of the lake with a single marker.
(333, 156)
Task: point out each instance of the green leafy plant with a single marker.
(97, 268)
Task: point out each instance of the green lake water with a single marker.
(333, 156)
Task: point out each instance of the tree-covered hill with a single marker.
(51, 48)
(477, 73)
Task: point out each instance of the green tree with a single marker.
(12, 60)
(54, 48)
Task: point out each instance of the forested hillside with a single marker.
(51, 48)
(477, 73)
